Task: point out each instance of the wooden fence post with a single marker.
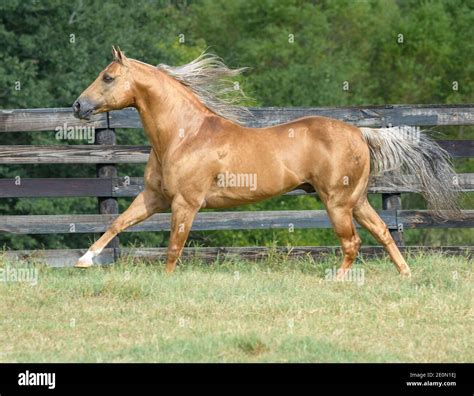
(107, 205)
(394, 202)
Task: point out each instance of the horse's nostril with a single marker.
(76, 106)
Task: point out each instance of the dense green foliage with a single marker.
(299, 53)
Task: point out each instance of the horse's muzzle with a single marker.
(82, 108)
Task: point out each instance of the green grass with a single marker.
(276, 310)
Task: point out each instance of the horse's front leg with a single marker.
(145, 204)
(182, 217)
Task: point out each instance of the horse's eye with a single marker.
(107, 78)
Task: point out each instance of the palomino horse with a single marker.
(197, 137)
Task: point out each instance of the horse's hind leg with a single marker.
(341, 219)
(368, 218)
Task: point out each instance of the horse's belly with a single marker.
(245, 184)
(225, 197)
(222, 200)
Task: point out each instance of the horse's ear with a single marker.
(114, 53)
(118, 55)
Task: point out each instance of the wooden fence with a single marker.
(108, 186)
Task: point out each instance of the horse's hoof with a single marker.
(406, 274)
(83, 264)
(85, 261)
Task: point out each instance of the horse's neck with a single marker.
(169, 112)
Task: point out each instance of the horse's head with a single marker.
(110, 91)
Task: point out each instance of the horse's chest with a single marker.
(176, 179)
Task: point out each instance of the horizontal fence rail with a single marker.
(74, 154)
(132, 186)
(18, 120)
(212, 221)
(103, 154)
(107, 187)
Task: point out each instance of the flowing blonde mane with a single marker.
(210, 80)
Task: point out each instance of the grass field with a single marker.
(277, 310)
